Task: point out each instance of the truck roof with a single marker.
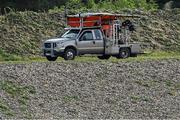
(103, 14)
(94, 19)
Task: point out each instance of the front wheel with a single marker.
(49, 58)
(69, 54)
(104, 57)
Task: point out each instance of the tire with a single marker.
(69, 54)
(124, 53)
(49, 58)
(104, 57)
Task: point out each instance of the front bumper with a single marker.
(58, 53)
(53, 53)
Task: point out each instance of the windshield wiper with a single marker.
(68, 37)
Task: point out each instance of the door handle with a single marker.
(94, 42)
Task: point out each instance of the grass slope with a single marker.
(22, 33)
(160, 29)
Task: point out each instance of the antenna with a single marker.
(65, 10)
(65, 13)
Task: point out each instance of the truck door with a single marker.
(85, 43)
(98, 42)
(91, 42)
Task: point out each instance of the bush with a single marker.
(114, 5)
(128, 4)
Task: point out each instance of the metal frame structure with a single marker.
(109, 23)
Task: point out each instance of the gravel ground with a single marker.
(98, 90)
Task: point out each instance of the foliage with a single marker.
(8, 57)
(41, 5)
(113, 5)
(35, 5)
(44, 5)
(127, 4)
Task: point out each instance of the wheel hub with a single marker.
(70, 55)
(124, 54)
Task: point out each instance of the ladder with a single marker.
(116, 31)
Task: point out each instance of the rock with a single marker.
(98, 90)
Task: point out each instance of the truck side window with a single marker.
(97, 34)
(87, 35)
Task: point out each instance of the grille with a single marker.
(54, 45)
(47, 45)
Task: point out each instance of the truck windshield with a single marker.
(71, 34)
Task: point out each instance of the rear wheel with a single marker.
(104, 57)
(69, 54)
(124, 53)
(49, 58)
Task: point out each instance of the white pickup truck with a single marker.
(104, 40)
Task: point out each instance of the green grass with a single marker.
(5, 109)
(137, 98)
(16, 90)
(19, 93)
(170, 86)
(70, 98)
(143, 83)
(8, 57)
(149, 55)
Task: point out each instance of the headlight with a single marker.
(60, 44)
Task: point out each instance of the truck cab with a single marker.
(88, 34)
